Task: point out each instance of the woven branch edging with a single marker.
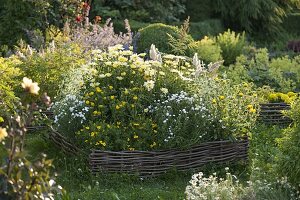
(153, 163)
(271, 113)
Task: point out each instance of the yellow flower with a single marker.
(132, 105)
(95, 112)
(146, 110)
(241, 94)
(135, 98)
(29, 86)
(135, 136)
(98, 127)
(117, 107)
(249, 106)
(131, 149)
(112, 97)
(122, 59)
(221, 97)
(123, 103)
(252, 110)
(93, 134)
(98, 89)
(154, 126)
(291, 94)
(102, 143)
(153, 144)
(118, 123)
(123, 74)
(126, 92)
(91, 93)
(119, 78)
(3, 133)
(87, 102)
(92, 104)
(108, 126)
(110, 87)
(87, 128)
(214, 101)
(245, 84)
(135, 124)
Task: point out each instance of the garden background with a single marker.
(135, 75)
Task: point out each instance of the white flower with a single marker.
(154, 54)
(149, 85)
(164, 90)
(51, 182)
(28, 85)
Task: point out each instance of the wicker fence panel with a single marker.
(271, 113)
(152, 163)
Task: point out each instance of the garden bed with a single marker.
(153, 163)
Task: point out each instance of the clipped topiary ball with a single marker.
(157, 34)
(207, 50)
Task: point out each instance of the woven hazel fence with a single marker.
(63, 143)
(271, 113)
(153, 163)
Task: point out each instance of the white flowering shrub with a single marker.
(182, 120)
(230, 188)
(213, 188)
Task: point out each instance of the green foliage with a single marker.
(289, 160)
(134, 26)
(19, 17)
(232, 45)
(157, 34)
(199, 10)
(179, 45)
(48, 68)
(20, 178)
(292, 22)
(211, 27)
(207, 50)
(281, 73)
(146, 11)
(9, 80)
(256, 16)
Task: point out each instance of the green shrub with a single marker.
(157, 34)
(232, 45)
(48, 68)
(281, 73)
(292, 22)
(207, 50)
(234, 105)
(289, 145)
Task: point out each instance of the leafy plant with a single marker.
(20, 178)
(231, 44)
(157, 34)
(207, 50)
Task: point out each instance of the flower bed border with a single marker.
(154, 163)
(271, 113)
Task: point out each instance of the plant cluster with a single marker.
(213, 187)
(281, 73)
(21, 178)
